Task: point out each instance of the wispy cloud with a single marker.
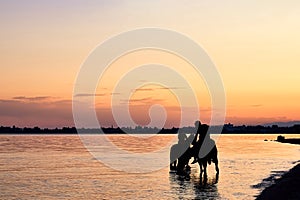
(31, 111)
(36, 98)
(158, 88)
(170, 88)
(64, 101)
(146, 100)
(142, 99)
(144, 89)
(256, 105)
(237, 120)
(89, 95)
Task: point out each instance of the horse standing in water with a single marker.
(181, 153)
(204, 149)
(179, 163)
(212, 156)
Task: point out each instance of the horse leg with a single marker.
(173, 157)
(215, 160)
(182, 162)
(217, 165)
(204, 163)
(173, 165)
(180, 167)
(201, 167)
(204, 168)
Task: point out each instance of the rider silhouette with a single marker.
(198, 143)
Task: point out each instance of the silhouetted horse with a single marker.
(180, 162)
(212, 156)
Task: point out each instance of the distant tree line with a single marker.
(227, 128)
(72, 130)
(230, 128)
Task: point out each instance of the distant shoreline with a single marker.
(226, 129)
(145, 134)
(282, 139)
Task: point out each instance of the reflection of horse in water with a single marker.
(194, 186)
(180, 162)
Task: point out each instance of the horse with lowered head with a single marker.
(180, 156)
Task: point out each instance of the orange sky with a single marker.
(254, 45)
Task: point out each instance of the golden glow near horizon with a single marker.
(255, 46)
(143, 92)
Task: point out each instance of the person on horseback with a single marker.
(198, 143)
(188, 147)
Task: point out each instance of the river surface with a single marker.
(60, 167)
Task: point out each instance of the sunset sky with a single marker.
(254, 45)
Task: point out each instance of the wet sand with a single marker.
(287, 187)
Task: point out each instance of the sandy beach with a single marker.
(287, 187)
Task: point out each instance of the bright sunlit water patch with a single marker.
(59, 166)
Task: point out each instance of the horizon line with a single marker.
(288, 124)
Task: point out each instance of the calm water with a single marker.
(59, 167)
